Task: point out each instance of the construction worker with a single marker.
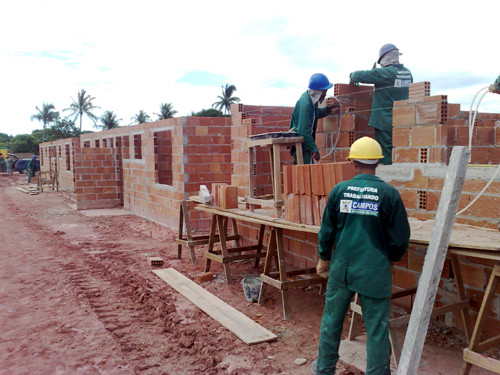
(2, 163)
(31, 168)
(364, 229)
(495, 87)
(392, 83)
(306, 113)
(8, 164)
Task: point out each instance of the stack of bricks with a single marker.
(224, 195)
(306, 189)
(425, 129)
(356, 108)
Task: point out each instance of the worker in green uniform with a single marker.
(392, 83)
(3, 167)
(31, 168)
(364, 228)
(306, 113)
(495, 87)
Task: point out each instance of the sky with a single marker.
(135, 55)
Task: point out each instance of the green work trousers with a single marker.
(30, 174)
(385, 139)
(376, 319)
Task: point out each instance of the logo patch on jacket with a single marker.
(359, 207)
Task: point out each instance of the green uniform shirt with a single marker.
(366, 227)
(391, 83)
(305, 117)
(32, 165)
(497, 83)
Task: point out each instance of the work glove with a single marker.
(329, 108)
(316, 156)
(323, 268)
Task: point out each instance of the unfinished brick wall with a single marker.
(95, 178)
(161, 163)
(425, 129)
(59, 155)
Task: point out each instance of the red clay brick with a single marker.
(423, 135)
(401, 137)
(405, 155)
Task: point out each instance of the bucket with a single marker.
(251, 287)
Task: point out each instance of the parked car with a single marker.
(21, 166)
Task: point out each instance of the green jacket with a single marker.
(391, 83)
(305, 117)
(366, 227)
(32, 165)
(497, 83)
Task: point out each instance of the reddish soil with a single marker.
(78, 296)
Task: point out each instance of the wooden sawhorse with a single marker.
(274, 145)
(276, 251)
(227, 255)
(189, 239)
(472, 355)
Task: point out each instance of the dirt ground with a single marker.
(77, 296)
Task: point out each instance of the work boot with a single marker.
(314, 368)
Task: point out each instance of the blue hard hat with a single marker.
(33, 157)
(319, 81)
(386, 48)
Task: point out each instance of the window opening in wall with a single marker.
(423, 155)
(104, 143)
(422, 200)
(86, 144)
(110, 141)
(59, 151)
(126, 147)
(66, 150)
(97, 143)
(138, 146)
(41, 155)
(163, 157)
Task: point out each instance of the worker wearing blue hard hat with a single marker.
(306, 113)
(392, 81)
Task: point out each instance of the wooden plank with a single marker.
(258, 218)
(482, 361)
(273, 141)
(434, 260)
(242, 326)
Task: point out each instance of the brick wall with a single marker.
(95, 178)
(59, 155)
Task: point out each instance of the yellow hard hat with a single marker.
(365, 148)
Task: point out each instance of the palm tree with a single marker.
(166, 111)
(109, 121)
(47, 114)
(226, 99)
(140, 117)
(82, 106)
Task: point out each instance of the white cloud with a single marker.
(131, 55)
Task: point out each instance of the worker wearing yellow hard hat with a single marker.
(392, 81)
(364, 228)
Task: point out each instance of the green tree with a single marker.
(140, 118)
(82, 106)
(166, 111)
(226, 99)
(208, 113)
(109, 121)
(5, 140)
(24, 143)
(47, 114)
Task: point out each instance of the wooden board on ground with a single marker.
(28, 189)
(242, 326)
